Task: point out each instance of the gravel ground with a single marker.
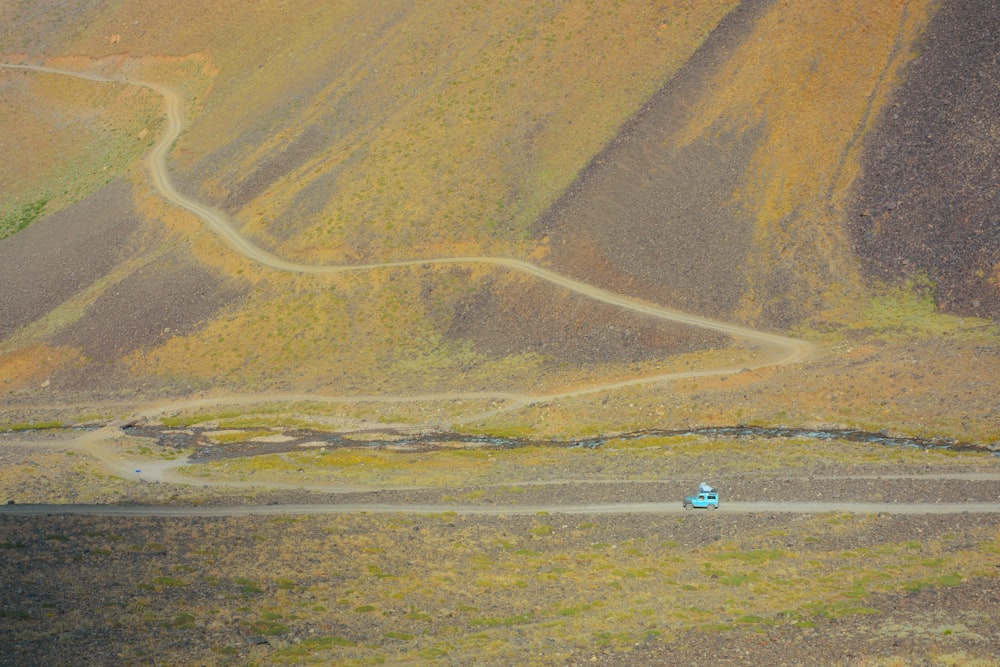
(438, 588)
(253, 590)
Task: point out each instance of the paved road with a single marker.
(493, 510)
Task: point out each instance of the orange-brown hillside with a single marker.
(773, 163)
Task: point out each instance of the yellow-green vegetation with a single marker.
(909, 310)
(352, 134)
(309, 334)
(898, 312)
(364, 333)
(397, 588)
(238, 435)
(359, 467)
(32, 426)
(362, 132)
(328, 413)
(475, 117)
(145, 451)
(14, 221)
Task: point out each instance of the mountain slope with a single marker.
(705, 156)
(727, 191)
(340, 134)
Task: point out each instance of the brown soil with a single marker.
(152, 300)
(513, 317)
(544, 588)
(169, 296)
(653, 215)
(451, 589)
(912, 629)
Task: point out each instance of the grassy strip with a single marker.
(32, 426)
(20, 218)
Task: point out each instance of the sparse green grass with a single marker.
(460, 165)
(239, 436)
(93, 134)
(248, 586)
(182, 621)
(450, 586)
(504, 469)
(18, 219)
(320, 414)
(909, 310)
(168, 582)
(752, 556)
(269, 624)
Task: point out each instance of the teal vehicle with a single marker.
(704, 500)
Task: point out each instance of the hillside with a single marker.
(374, 332)
(716, 158)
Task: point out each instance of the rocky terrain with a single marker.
(297, 591)
(928, 200)
(542, 587)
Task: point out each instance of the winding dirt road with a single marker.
(782, 349)
(778, 350)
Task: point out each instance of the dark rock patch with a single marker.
(929, 198)
(504, 319)
(53, 259)
(658, 214)
(169, 297)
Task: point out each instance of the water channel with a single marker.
(207, 449)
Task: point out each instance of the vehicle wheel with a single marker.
(686, 506)
(713, 507)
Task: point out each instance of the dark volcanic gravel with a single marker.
(929, 197)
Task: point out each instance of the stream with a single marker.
(206, 449)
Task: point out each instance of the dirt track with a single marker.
(520, 510)
(878, 491)
(87, 583)
(781, 350)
